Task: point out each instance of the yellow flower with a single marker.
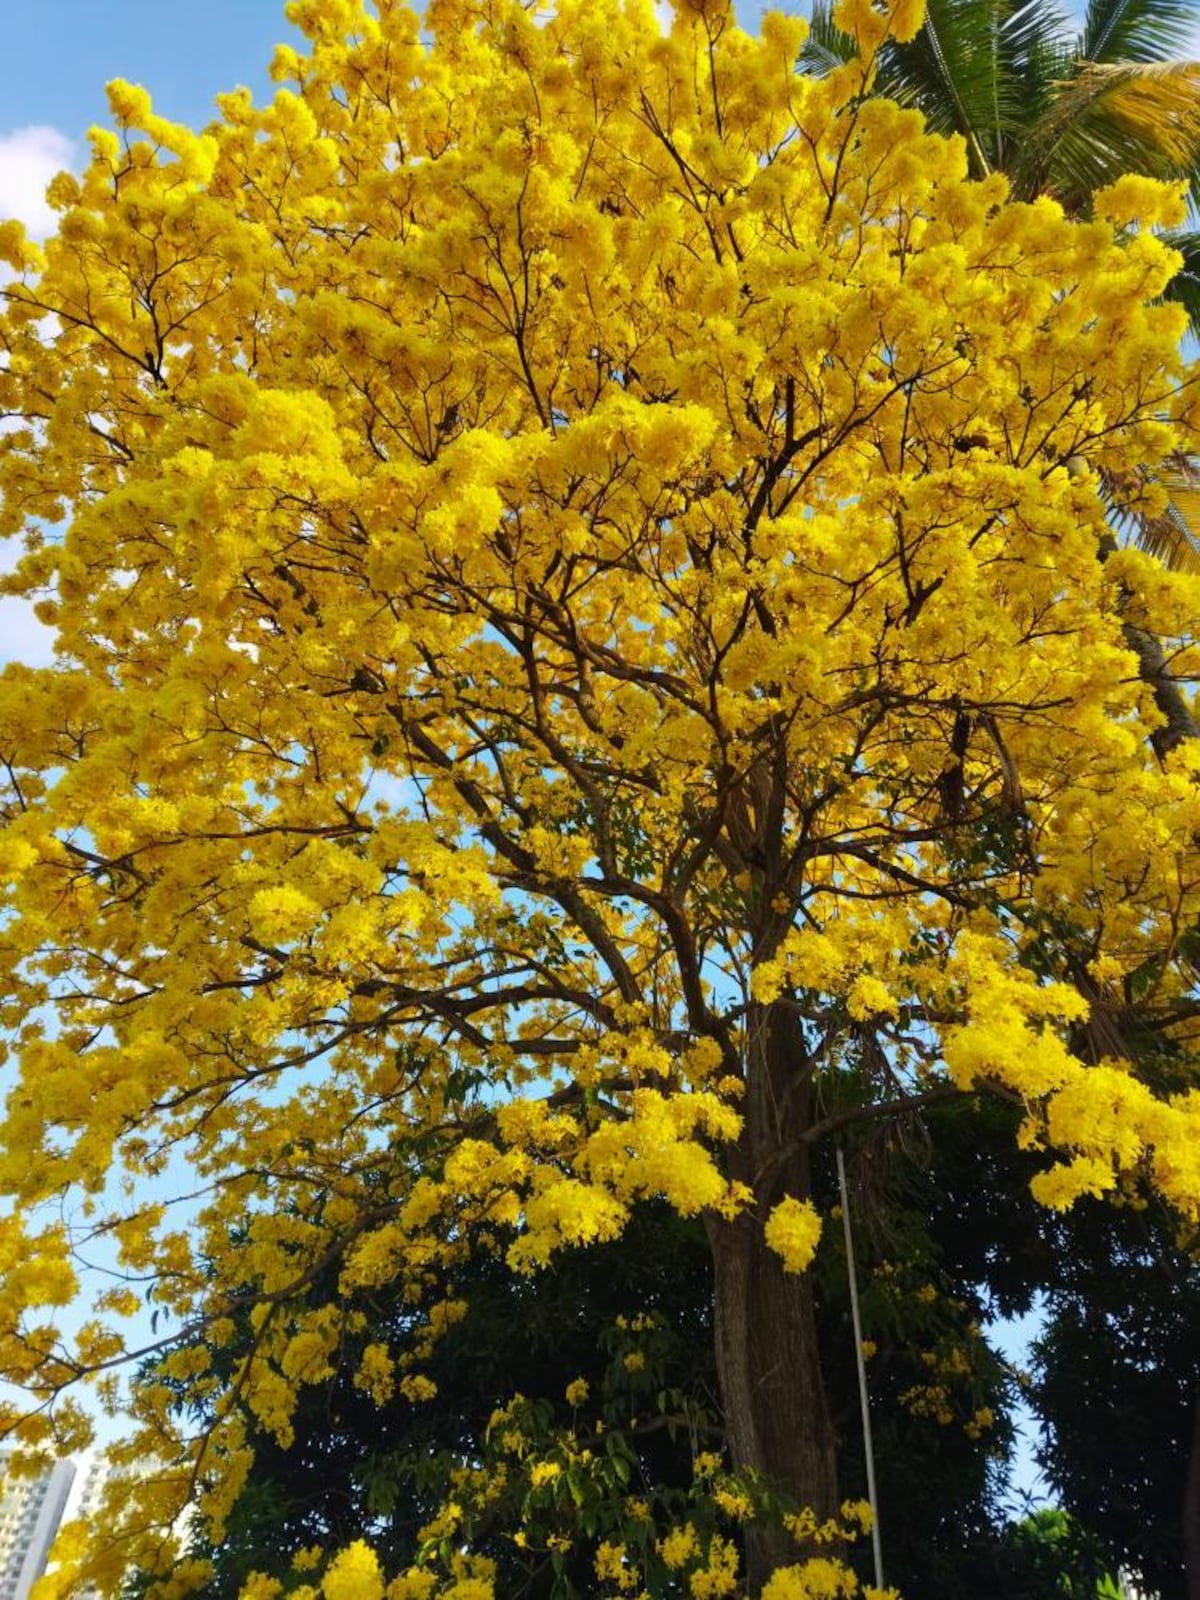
(581, 566)
(870, 997)
(679, 1546)
(353, 1574)
(612, 1566)
(793, 1230)
(259, 1587)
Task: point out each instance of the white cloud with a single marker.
(29, 158)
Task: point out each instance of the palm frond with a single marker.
(1136, 30)
(1184, 287)
(1037, 55)
(953, 71)
(1107, 120)
(826, 47)
(1033, 31)
(1174, 537)
(1160, 104)
(1007, 75)
(984, 69)
(1171, 539)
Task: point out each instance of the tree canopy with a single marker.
(593, 663)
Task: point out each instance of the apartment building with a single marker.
(30, 1512)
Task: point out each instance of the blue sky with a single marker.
(60, 54)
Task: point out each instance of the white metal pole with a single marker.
(860, 1362)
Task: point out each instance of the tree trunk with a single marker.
(1153, 669)
(1179, 724)
(777, 1413)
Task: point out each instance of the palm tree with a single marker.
(1063, 111)
(1060, 112)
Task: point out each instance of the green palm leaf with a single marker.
(1038, 55)
(1106, 120)
(1184, 288)
(1175, 536)
(826, 47)
(1136, 30)
(953, 72)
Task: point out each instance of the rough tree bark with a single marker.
(777, 1412)
(1153, 669)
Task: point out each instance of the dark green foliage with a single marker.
(1117, 1380)
(1116, 1371)
(359, 1470)
(937, 1256)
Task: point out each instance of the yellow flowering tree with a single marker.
(589, 663)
